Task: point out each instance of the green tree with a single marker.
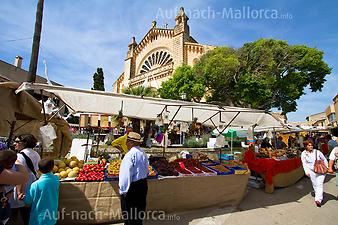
(275, 74)
(263, 74)
(219, 68)
(98, 78)
(140, 91)
(184, 81)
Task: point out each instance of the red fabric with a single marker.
(325, 148)
(270, 167)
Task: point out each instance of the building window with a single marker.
(155, 60)
(332, 117)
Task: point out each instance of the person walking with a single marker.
(308, 157)
(133, 181)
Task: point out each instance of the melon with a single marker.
(63, 174)
(72, 164)
(61, 169)
(67, 161)
(69, 170)
(55, 169)
(62, 165)
(72, 174)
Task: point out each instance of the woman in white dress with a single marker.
(308, 159)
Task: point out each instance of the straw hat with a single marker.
(133, 136)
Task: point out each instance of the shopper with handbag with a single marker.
(315, 167)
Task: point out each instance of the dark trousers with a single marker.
(19, 216)
(133, 205)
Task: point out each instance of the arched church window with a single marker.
(155, 60)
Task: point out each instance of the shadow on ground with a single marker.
(255, 199)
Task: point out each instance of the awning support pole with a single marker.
(172, 119)
(210, 117)
(22, 125)
(11, 132)
(231, 121)
(56, 113)
(43, 107)
(166, 130)
(98, 142)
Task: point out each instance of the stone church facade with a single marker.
(155, 57)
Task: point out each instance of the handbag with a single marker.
(319, 166)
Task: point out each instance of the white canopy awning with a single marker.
(89, 101)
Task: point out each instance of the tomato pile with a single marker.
(91, 172)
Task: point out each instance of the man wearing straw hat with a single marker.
(133, 181)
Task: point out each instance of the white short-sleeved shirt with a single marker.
(309, 158)
(35, 157)
(334, 154)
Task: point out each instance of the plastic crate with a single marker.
(211, 173)
(208, 163)
(226, 157)
(109, 177)
(196, 174)
(238, 168)
(230, 171)
(189, 174)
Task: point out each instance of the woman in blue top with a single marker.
(43, 196)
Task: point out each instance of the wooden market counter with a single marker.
(276, 173)
(284, 179)
(98, 202)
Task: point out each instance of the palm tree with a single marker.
(140, 91)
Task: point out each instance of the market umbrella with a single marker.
(231, 134)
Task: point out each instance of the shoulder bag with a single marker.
(319, 166)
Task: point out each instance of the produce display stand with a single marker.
(100, 200)
(174, 194)
(284, 179)
(277, 173)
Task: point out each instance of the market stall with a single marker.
(22, 113)
(181, 184)
(171, 195)
(277, 172)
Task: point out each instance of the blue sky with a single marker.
(80, 35)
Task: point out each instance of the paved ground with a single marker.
(293, 205)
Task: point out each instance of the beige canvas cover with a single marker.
(89, 101)
(25, 111)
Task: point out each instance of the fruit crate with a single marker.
(207, 171)
(195, 171)
(108, 177)
(184, 173)
(227, 172)
(227, 157)
(239, 170)
(207, 163)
